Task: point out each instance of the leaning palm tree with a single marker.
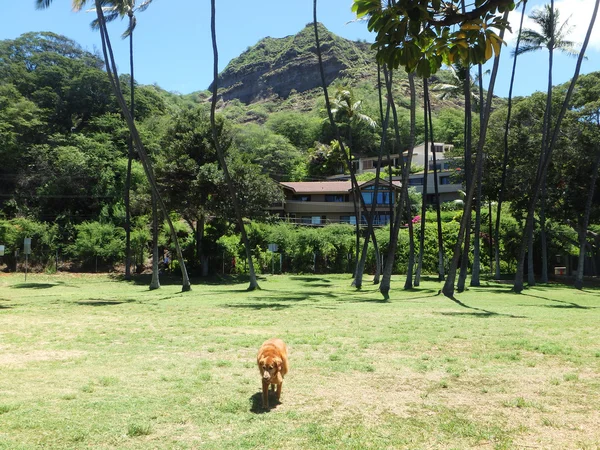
(111, 70)
(552, 35)
(448, 289)
(118, 9)
(220, 155)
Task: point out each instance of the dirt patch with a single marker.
(21, 359)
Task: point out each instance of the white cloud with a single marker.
(578, 12)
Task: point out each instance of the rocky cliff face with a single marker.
(280, 66)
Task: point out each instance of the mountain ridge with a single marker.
(280, 66)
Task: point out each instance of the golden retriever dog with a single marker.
(273, 364)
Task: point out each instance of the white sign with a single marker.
(1, 250)
(273, 247)
(27, 246)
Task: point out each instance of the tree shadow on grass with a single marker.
(174, 279)
(5, 307)
(428, 293)
(310, 279)
(104, 302)
(35, 285)
(256, 402)
(563, 304)
(257, 306)
(481, 312)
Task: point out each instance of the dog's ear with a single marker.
(278, 362)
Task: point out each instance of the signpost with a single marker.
(27, 251)
(273, 248)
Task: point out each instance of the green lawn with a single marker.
(92, 362)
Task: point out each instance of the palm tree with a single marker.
(553, 36)
(505, 157)
(118, 9)
(456, 86)
(518, 284)
(111, 70)
(425, 185)
(475, 271)
(346, 109)
(220, 155)
(436, 190)
(448, 289)
(385, 285)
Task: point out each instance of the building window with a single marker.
(383, 197)
(301, 198)
(368, 164)
(348, 219)
(336, 198)
(445, 180)
(416, 181)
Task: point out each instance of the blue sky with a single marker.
(173, 46)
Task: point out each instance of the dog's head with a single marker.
(269, 367)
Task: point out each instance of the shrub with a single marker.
(98, 242)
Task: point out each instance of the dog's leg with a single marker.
(279, 390)
(265, 394)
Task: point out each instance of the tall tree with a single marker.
(345, 108)
(448, 289)
(113, 10)
(545, 161)
(238, 213)
(436, 190)
(111, 70)
(425, 186)
(506, 154)
(552, 36)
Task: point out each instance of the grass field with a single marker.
(93, 362)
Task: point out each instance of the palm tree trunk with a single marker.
(448, 289)
(355, 186)
(391, 255)
(376, 277)
(128, 212)
(518, 283)
(545, 138)
(436, 190)
(505, 157)
(424, 196)
(408, 284)
(112, 73)
(129, 163)
(584, 223)
(238, 213)
(475, 271)
(543, 238)
(530, 265)
(154, 283)
(371, 212)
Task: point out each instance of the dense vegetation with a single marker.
(63, 146)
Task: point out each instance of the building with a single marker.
(323, 202)
(447, 186)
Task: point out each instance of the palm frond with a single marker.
(144, 5)
(42, 4)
